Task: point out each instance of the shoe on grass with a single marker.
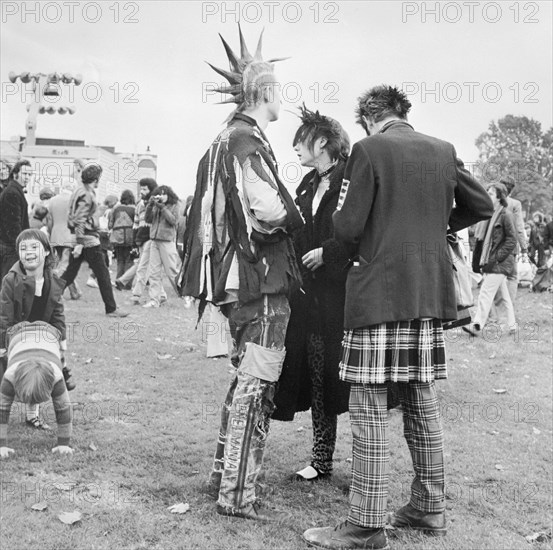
(347, 535)
(92, 283)
(253, 511)
(408, 517)
(117, 313)
(37, 423)
(309, 473)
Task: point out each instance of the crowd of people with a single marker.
(326, 309)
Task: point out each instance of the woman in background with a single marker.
(120, 225)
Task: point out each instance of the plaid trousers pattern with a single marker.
(424, 435)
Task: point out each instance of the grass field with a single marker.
(146, 414)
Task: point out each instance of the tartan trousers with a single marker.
(258, 330)
(424, 435)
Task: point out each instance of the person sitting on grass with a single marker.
(34, 376)
(32, 292)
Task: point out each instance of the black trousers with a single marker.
(124, 260)
(96, 260)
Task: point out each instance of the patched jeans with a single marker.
(258, 330)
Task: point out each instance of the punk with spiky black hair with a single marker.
(239, 256)
(313, 342)
(381, 102)
(402, 193)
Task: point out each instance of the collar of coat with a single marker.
(394, 123)
(20, 270)
(312, 178)
(256, 131)
(14, 184)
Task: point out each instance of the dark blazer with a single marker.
(16, 300)
(14, 217)
(398, 194)
(502, 248)
(318, 308)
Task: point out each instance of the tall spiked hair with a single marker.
(238, 66)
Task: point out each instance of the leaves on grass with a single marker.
(536, 431)
(39, 506)
(492, 356)
(88, 361)
(499, 467)
(180, 508)
(69, 518)
(538, 537)
(93, 447)
(500, 390)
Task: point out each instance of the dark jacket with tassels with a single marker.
(218, 229)
(319, 309)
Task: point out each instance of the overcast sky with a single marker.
(480, 61)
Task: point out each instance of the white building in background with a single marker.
(52, 161)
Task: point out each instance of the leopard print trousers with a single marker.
(324, 426)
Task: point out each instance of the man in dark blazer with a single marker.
(14, 216)
(394, 211)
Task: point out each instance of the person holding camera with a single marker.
(162, 214)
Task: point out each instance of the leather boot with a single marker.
(426, 522)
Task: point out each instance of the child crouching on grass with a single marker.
(34, 376)
(32, 292)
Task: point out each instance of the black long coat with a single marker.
(318, 308)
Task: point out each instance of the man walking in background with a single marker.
(82, 221)
(61, 239)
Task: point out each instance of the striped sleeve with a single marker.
(7, 394)
(64, 414)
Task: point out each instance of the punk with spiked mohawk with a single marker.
(381, 102)
(239, 254)
(314, 125)
(247, 75)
